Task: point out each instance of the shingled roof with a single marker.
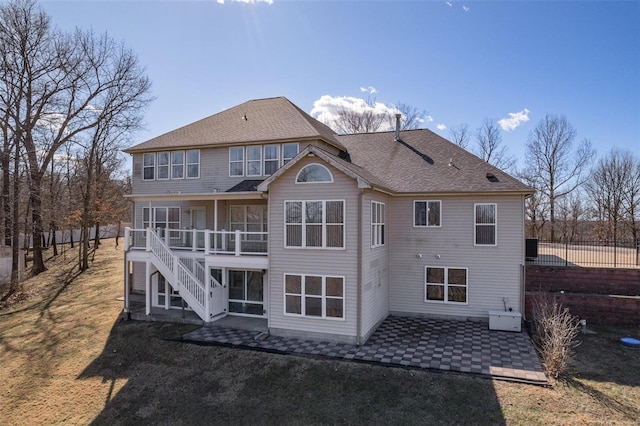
(256, 121)
(421, 161)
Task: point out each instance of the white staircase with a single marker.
(182, 274)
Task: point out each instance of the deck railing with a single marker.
(236, 243)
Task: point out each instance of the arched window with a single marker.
(314, 173)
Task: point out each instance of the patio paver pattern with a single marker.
(463, 346)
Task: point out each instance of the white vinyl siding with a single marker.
(427, 213)
(318, 296)
(492, 274)
(314, 224)
(334, 262)
(485, 224)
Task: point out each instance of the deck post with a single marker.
(127, 283)
(127, 236)
(147, 283)
(194, 239)
(148, 237)
(238, 244)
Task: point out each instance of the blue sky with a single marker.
(461, 62)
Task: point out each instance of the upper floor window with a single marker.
(148, 166)
(177, 165)
(260, 160)
(314, 224)
(314, 173)
(289, 150)
(236, 161)
(271, 159)
(162, 167)
(254, 160)
(193, 164)
(377, 224)
(485, 223)
(427, 213)
(170, 165)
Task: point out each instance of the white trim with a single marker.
(377, 240)
(271, 160)
(446, 285)
(187, 164)
(257, 148)
(495, 225)
(426, 221)
(153, 166)
(167, 165)
(297, 182)
(323, 296)
(174, 164)
(323, 223)
(236, 161)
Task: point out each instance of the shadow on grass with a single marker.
(171, 382)
(629, 412)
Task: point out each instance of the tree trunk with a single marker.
(96, 237)
(35, 201)
(54, 229)
(15, 232)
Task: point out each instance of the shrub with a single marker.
(555, 333)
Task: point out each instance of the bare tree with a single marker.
(489, 146)
(460, 135)
(613, 188)
(64, 85)
(411, 117)
(536, 209)
(553, 163)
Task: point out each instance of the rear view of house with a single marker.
(262, 211)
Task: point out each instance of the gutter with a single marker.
(359, 275)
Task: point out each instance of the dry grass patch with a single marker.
(66, 358)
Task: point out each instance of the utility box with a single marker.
(505, 321)
(531, 248)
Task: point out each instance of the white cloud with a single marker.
(465, 8)
(441, 126)
(327, 108)
(369, 89)
(449, 3)
(514, 120)
(428, 119)
(51, 120)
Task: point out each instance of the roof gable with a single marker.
(364, 178)
(256, 121)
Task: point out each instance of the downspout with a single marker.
(359, 266)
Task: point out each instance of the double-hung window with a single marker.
(271, 159)
(254, 160)
(236, 161)
(427, 213)
(447, 285)
(177, 165)
(148, 166)
(193, 164)
(314, 224)
(377, 224)
(314, 296)
(485, 224)
(162, 159)
(289, 150)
